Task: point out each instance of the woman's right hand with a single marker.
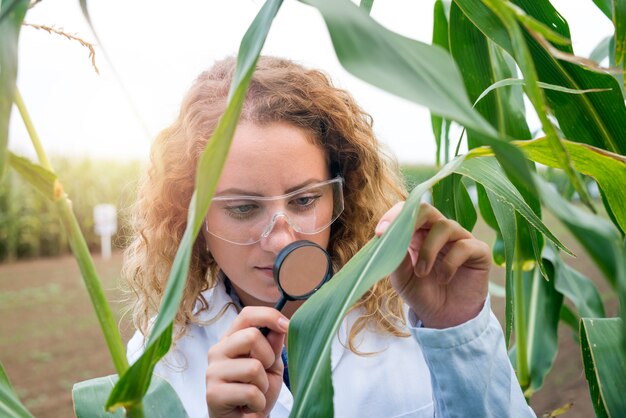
(245, 371)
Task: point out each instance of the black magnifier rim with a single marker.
(282, 255)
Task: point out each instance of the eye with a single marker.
(241, 211)
(305, 201)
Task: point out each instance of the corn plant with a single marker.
(29, 225)
(486, 56)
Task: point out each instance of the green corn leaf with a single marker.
(608, 169)
(41, 179)
(441, 131)
(528, 225)
(546, 309)
(424, 74)
(486, 211)
(92, 283)
(450, 196)
(89, 397)
(498, 249)
(606, 6)
(543, 310)
(569, 318)
(619, 21)
(485, 208)
(595, 119)
(481, 64)
(601, 51)
(367, 5)
(600, 238)
(536, 239)
(129, 391)
(469, 48)
(4, 379)
(507, 230)
(12, 14)
(488, 173)
(134, 383)
(519, 82)
(619, 76)
(574, 285)
(441, 126)
(605, 367)
(522, 54)
(537, 26)
(314, 325)
(10, 405)
(609, 211)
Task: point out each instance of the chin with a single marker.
(273, 297)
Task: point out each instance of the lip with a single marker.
(268, 271)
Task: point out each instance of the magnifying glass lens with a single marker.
(303, 271)
(300, 269)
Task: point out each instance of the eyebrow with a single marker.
(233, 191)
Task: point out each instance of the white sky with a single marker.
(159, 48)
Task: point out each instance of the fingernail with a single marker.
(283, 323)
(381, 227)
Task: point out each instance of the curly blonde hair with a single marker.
(280, 90)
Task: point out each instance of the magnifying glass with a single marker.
(300, 269)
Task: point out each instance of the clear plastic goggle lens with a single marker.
(247, 219)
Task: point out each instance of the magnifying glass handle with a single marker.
(281, 303)
(279, 306)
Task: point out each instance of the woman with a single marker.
(304, 164)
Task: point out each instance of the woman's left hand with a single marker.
(444, 276)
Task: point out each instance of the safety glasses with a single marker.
(245, 220)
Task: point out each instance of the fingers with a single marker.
(248, 342)
(244, 339)
(248, 370)
(468, 253)
(244, 371)
(387, 218)
(427, 215)
(440, 243)
(442, 232)
(259, 316)
(232, 396)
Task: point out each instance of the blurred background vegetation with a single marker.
(29, 224)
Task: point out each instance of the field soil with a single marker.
(50, 338)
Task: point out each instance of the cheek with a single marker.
(230, 258)
(322, 239)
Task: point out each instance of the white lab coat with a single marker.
(394, 382)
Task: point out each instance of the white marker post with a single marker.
(105, 223)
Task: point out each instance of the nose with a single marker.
(280, 234)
